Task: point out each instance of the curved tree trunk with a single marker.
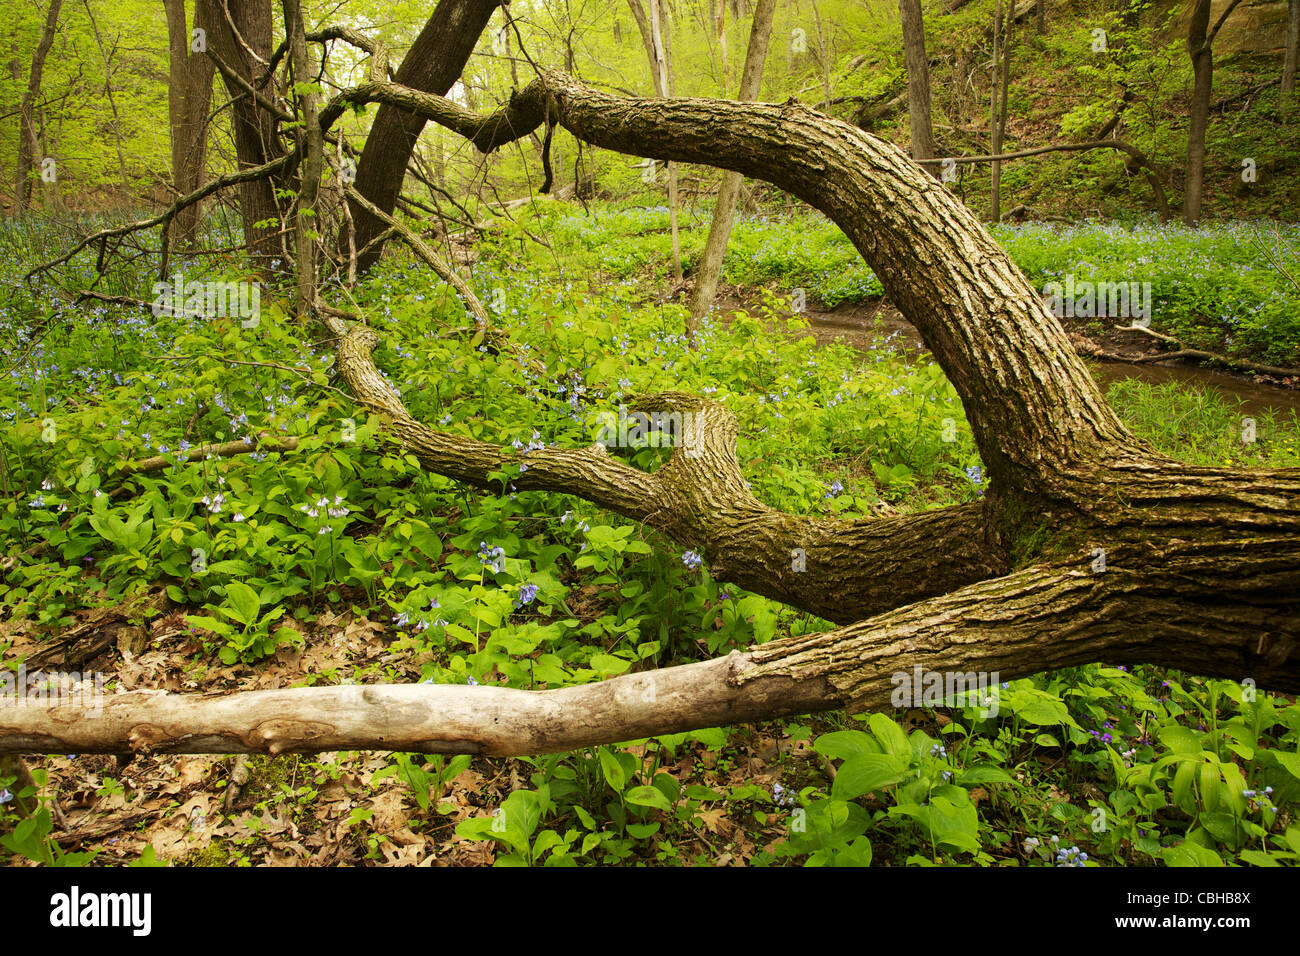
(434, 62)
(1088, 546)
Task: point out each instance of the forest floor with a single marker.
(826, 433)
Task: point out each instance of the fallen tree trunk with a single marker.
(1088, 545)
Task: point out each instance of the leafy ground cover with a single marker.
(338, 560)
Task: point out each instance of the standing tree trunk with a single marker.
(1200, 47)
(918, 79)
(29, 146)
(724, 213)
(824, 54)
(310, 147)
(653, 36)
(239, 41)
(1289, 60)
(433, 64)
(998, 109)
(189, 93)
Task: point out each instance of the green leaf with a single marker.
(1188, 853)
(843, 744)
(986, 773)
(1180, 740)
(1289, 761)
(648, 797)
(1258, 858)
(245, 602)
(868, 772)
(890, 735)
(1182, 788)
(613, 770)
(1044, 710)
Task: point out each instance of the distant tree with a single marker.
(189, 94)
(433, 64)
(724, 213)
(29, 142)
(998, 106)
(1292, 42)
(918, 79)
(653, 35)
(238, 40)
(1200, 47)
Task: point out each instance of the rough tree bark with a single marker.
(239, 44)
(29, 146)
(435, 62)
(1088, 545)
(189, 92)
(724, 212)
(918, 79)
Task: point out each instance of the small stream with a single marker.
(865, 327)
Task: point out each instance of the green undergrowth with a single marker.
(533, 590)
(1227, 287)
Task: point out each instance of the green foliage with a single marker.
(529, 590)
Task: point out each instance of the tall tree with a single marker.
(238, 34)
(1200, 47)
(724, 213)
(653, 35)
(310, 148)
(918, 79)
(106, 61)
(189, 93)
(1001, 88)
(29, 144)
(433, 64)
(1289, 59)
